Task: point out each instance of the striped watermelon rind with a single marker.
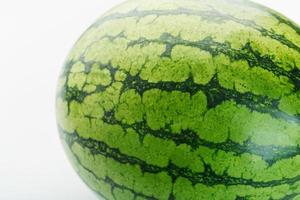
(185, 100)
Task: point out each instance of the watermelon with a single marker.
(184, 99)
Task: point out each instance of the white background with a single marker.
(35, 38)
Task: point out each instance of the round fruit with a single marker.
(185, 99)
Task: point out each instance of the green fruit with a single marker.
(185, 99)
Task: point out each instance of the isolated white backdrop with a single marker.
(35, 38)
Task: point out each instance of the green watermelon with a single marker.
(185, 99)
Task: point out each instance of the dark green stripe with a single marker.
(90, 172)
(275, 14)
(290, 196)
(73, 94)
(251, 56)
(70, 94)
(215, 94)
(136, 194)
(247, 53)
(171, 197)
(271, 34)
(256, 59)
(287, 22)
(212, 15)
(67, 68)
(107, 179)
(271, 154)
(111, 38)
(208, 177)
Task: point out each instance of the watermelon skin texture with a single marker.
(185, 99)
